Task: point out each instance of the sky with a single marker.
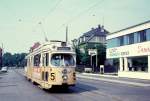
(24, 22)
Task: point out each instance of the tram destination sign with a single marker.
(63, 48)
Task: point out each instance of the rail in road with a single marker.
(89, 93)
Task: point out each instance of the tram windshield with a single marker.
(62, 60)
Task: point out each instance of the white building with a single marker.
(130, 47)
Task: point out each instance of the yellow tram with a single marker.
(51, 63)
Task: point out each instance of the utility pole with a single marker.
(66, 34)
(42, 28)
(1, 56)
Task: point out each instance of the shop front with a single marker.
(134, 60)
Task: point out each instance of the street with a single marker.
(15, 87)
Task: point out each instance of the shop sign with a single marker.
(116, 53)
(142, 49)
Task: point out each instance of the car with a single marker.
(4, 69)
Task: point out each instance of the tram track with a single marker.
(78, 91)
(82, 92)
(96, 92)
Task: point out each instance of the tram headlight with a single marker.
(64, 71)
(65, 77)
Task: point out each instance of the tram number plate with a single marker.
(52, 76)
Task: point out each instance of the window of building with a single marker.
(126, 39)
(84, 38)
(121, 40)
(142, 35)
(131, 38)
(148, 34)
(136, 37)
(112, 43)
(139, 64)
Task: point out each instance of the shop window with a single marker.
(139, 64)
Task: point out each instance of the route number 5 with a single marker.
(52, 76)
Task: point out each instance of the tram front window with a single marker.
(62, 60)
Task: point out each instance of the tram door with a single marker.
(30, 64)
(45, 63)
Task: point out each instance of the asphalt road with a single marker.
(14, 87)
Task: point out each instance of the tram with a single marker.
(51, 63)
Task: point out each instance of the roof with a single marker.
(131, 27)
(96, 31)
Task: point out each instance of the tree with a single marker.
(78, 55)
(101, 50)
(7, 59)
(84, 57)
(17, 59)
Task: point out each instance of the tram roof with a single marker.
(47, 46)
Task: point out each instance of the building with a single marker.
(93, 37)
(129, 50)
(90, 40)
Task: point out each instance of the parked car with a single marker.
(4, 69)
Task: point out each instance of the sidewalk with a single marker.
(115, 79)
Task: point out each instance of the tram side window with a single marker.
(37, 60)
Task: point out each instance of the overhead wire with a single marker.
(85, 11)
(52, 10)
(45, 17)
(81, 14)
(70, 20)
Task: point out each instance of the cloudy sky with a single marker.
(23, 22)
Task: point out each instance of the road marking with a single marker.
(98, 93)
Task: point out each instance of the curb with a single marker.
(115, 81)
(101, 75)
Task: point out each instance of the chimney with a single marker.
(92, 28)
(102, 29)
(99, 26)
